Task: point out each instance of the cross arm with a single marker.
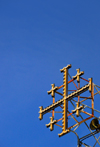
(59, 102)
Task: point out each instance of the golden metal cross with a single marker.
(77, 76)
(51, 124)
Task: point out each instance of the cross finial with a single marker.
(77, 76)
(78, 108)
(52, 91)
(51, 124)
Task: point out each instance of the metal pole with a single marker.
(78, 140)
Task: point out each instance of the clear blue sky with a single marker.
(37, 38)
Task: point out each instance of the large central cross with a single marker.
(64, 101)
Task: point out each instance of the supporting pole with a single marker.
(78, 140)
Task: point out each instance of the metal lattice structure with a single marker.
(77, 103)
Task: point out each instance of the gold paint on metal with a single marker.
(90, 84)
(41, 115)
(77, 76)
(51, 124)
(52, 91)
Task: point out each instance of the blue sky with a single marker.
(37, 38)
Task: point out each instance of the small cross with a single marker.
(77, 110)
(77, 76)
(51, 124)
(52, 91)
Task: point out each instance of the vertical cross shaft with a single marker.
(65, 93)
(65, 102)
